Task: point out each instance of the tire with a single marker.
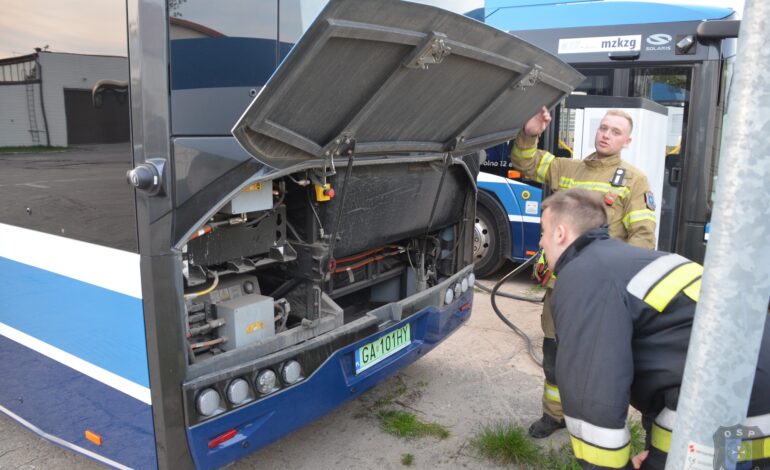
(491, 236)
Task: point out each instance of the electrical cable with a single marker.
(508, 295)
(530, 348)
(205, 291)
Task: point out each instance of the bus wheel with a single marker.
(491, 236)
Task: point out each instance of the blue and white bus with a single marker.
(288, 236)
(679, 56)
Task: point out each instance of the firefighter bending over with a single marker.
(627, 199)
(623, 318)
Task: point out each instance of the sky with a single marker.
(61, 25)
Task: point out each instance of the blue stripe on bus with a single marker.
(260, 423)
(525, 236)
(222, 62)
(510, 15)
(102, 327)
(65, 403)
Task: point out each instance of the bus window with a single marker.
(221, 54)
(597, 82)
(63, 158)
(669, 87)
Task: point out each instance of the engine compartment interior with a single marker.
(301, 255)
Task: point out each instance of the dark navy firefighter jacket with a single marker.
(623, 318)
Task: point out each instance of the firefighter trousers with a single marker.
(551, 398)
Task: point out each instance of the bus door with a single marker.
(670, 87)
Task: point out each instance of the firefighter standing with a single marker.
(623, 319)
(627, 198)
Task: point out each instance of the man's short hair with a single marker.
(581, 209)
(623, 114)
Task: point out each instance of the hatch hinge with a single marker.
(433, 51)
(533, 76)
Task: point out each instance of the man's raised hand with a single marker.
(537, 123)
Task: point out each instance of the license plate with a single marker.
(382, 347)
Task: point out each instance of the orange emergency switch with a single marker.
(513, 174)
(323, 192)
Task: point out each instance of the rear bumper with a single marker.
(335, 382)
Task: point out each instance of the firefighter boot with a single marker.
(545, 426)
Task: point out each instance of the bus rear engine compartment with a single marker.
(263, 275)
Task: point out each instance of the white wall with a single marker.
(14, 116)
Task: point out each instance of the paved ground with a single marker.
(479, 376)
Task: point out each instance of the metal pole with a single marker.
(732, 310)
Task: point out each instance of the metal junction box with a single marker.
(257, 197)
(248, 319)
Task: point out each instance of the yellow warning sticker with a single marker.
(252, 327)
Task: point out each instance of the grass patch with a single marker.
(31, 149)
(507, 444)
(407, 425)
(559, 459)
(407, 459)
(637, 437)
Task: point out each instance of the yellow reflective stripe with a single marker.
(552, 393)
(693, 291)
(673, 283)
(644, 280)
(638, 216)
(598, 186)
(617, 458)
(523, 153)
(756, 449)
(545, 164)
(661, 438)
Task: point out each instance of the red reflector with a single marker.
(465, 307)
(530, 253)
(222, 438)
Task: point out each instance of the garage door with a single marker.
(87, 124)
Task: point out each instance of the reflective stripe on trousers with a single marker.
(751, 448)
(605, 447)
